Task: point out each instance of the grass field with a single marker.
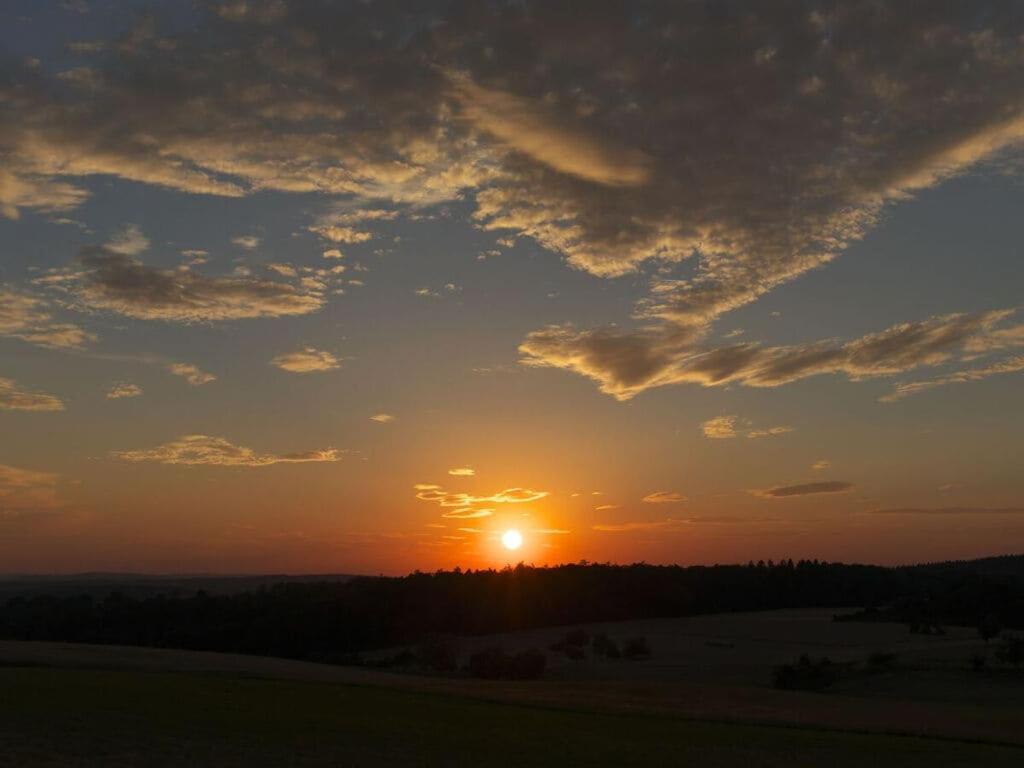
(112, 718)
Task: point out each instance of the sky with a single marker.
(357, 287)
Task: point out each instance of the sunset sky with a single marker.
(359, 286)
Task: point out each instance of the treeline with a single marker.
(334, 621)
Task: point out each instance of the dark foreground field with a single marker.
(111, 718)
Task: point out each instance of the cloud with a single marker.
(1013, 364)
(28, 318)
(636, 526)
(462, 472)
(667, 138)
(804, 489)
(26, 490)
(121, 391)
(725, 427)
(25, 190)
(306, 360)
(333, 253)
(551, 138)
(191, 373)
(720, 427)
(248, 242)
(664, 497)
(14, 398)
(193, 450)
(129, 241)
(821, 464)
(951, 511)
(626, 363)
(123, 284)
(465, 506)
(383, 418)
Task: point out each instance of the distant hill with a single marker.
(141, 585)
(334, 618)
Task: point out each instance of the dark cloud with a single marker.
(121, 283)
(951, 511)
(805, 489)
(736, 146)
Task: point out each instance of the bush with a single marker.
(495, 664)
(880, 661)
(438, 653)
(636, 648)
(979, 662)
(806, 675)
(575, 652)
(576, 637)
(605, 646)
(1011, 650)
(488, 664)
(528, 665)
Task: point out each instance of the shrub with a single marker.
(605, 646)
(488, 664)
(1011, 650)
(979, 662)
(636, 648)
(527, 665)
(989, 627)
(806, 674)
(575, 652)
(576, 637)
(494, 664)
(880, 660)
(438, 653)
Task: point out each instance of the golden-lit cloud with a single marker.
(13, 397)
(636, 526)
(468, 506)
(124, 390)
(28, 318)
(968, 511)
(1013, 364)
(821, 464)
(26, 490)
(120, 283)
(664, 497)
(248, 242)
(720, 427)
(726, 427)
(383, 418)
(129, 241)
(625, 364)
(462, 472)
(306, 360)
(804, 489)
(194, 450)
(191, 373)
(551, 138)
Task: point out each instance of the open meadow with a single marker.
(704, 697)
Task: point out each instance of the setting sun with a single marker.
(512, 539)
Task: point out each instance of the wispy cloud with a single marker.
(26, 489)
(14, 397)
(29, 318)
(664, 497)
(804, 489)
(191, 373)
(123, 390)
(306, 360)
(383, 418)
(193, 450)
(726, 427)
(462, 472)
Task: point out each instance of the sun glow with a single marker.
(512, 539)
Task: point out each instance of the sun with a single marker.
(512, 539)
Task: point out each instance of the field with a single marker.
(703, 699)
(118, 718)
